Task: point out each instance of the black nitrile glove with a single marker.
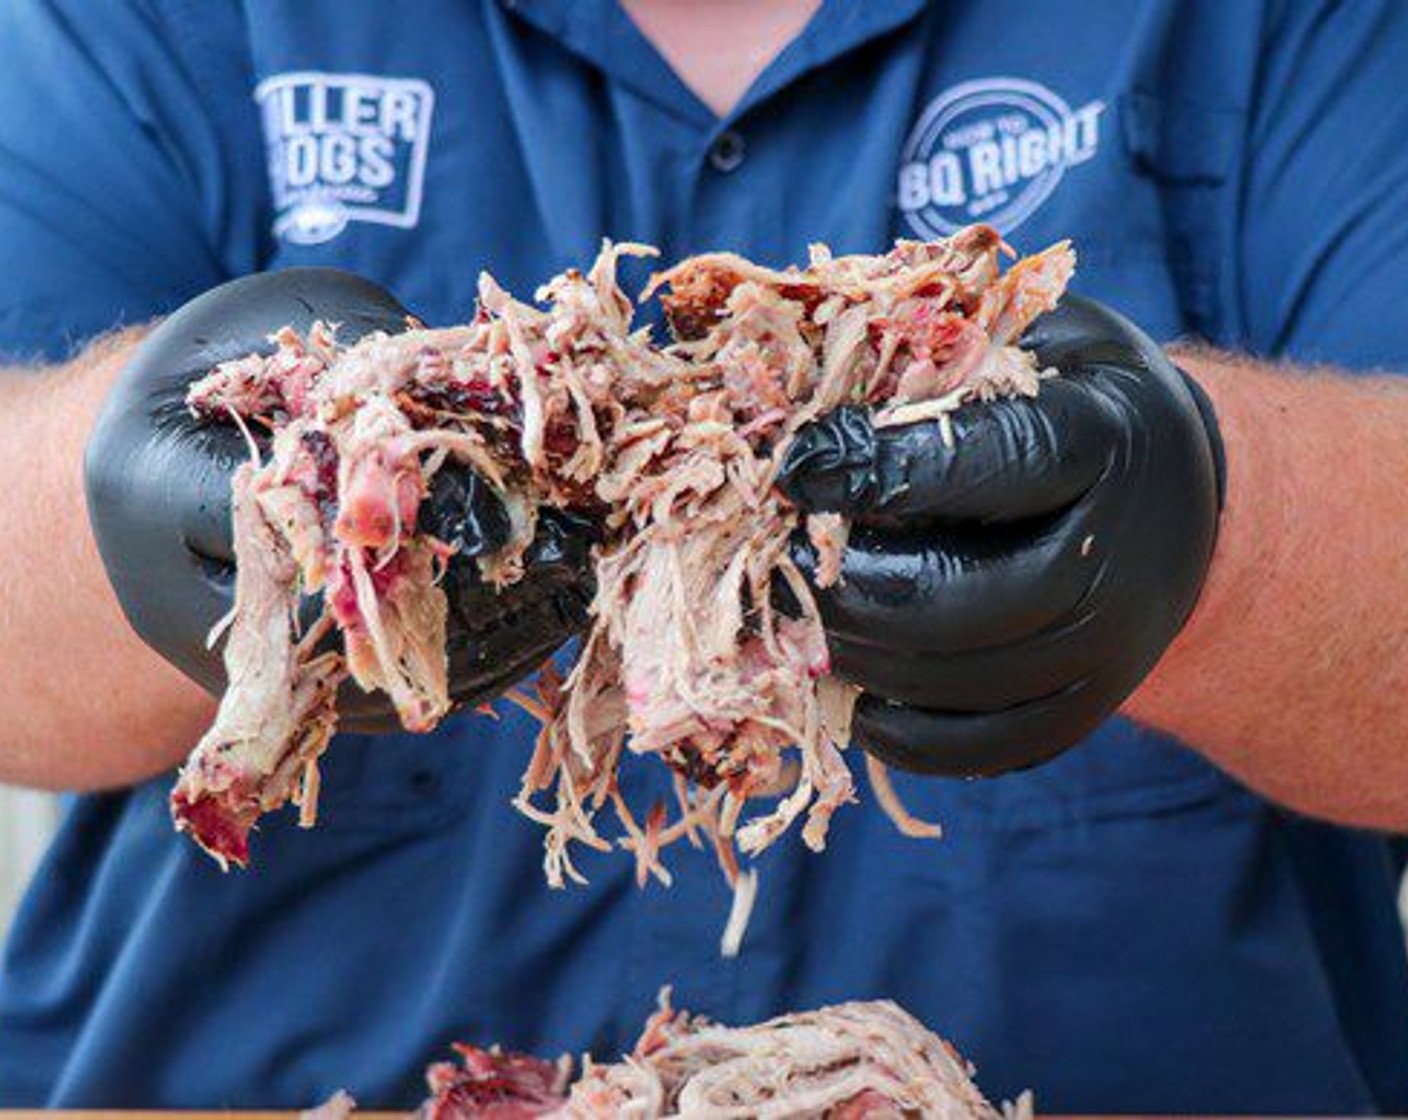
(1003, 596)
(158, 484)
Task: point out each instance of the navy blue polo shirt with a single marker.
(1126, 929)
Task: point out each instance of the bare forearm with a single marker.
(87, 704)
(1293, 671)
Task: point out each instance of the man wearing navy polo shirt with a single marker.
(1192, 910)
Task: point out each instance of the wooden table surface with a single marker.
(115, 1115)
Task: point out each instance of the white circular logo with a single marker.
(992, 151)
(313, 221)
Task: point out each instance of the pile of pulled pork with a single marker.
(853, 1061)
(673, 449)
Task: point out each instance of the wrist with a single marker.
(1257, 509)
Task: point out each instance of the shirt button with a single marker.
(727, 152)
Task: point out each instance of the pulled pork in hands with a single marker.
(673, 449)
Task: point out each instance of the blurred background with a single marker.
(27, 820)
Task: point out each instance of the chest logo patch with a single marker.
(991, 150)
(344, 148)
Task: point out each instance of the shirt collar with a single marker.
(601, 33)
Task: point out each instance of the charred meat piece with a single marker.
(492, 1085)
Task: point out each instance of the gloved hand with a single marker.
(1002, 596)
(158, 484)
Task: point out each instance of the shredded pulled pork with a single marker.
(690, 657)
(493, 1085)
(339, 1106)
(847, 1062)
(853, 1061)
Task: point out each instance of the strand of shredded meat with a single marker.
(852, 1061)
(690, 657)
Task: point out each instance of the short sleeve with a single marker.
(1324, 228)
(125, 164)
